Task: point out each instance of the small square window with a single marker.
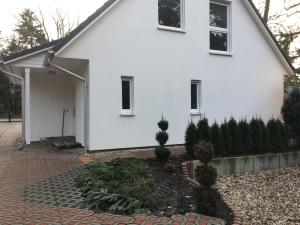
(127, 95)
(219, 27)
(195, 96)
(170, 13)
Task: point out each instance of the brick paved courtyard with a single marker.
(35, 184)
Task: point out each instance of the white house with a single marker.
(133, 61)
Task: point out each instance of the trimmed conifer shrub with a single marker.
(226, 138)
(217, 140)
(275, 135)
(291, 114)
(161, 152)
(235, 136)
(203, 130)
(191, 138)
(266, 147)
(246, 139)
(284, 135)
(256, 135)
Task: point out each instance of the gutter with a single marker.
(47, 63)
(23, 100)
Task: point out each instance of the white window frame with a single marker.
(128, 112)
(182, 20)
(227, 30)
(199, 89)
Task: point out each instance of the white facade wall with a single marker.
(126, 42)
(50, 95)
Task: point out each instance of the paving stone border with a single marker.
(187, 168)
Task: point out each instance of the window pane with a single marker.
(194, 96)
(169, 13)
(218, 41)
(126, 94)
(218, 15)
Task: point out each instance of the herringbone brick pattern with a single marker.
(39, 166)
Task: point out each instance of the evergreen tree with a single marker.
(203, 130)
(275, 135)
(226, 138)
(217, 139)
(191, 138)
(256, 135)
(266, 138)
(246, 139)
(29, 31)
(235, 136)
(284, 135)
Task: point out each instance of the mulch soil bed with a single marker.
(173, 193)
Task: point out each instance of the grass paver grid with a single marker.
(42, 174)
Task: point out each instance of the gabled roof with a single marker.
(59, 44)
(30, 51)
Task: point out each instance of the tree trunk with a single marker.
(267, 10)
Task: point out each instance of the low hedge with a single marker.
(232, 138)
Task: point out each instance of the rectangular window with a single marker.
(219, 27)
(195, 96)
(127, 94)
(170, 13)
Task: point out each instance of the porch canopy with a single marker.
(53, 94)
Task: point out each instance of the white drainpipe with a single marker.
(23, 99)
(48, 62)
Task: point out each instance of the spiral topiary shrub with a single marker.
(206, 175)
(161, 152)
(204, 152)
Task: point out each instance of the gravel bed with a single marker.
(266, 197)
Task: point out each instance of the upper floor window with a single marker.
(219, 27)
(170, 13)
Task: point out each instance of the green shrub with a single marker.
(162, 137)
(256, 135)
(191, 138)
(291, 114)
(284, 135)
(163, 124)
(227, 138)
(275, 136)
(122, 186)
(206, 200)
(245, 133)
(203, 130)
(235, 136)
(162, 153)
(206, 175)
(204, 152)
(266, 145)
(217, 140)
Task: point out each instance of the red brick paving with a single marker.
(36, 163)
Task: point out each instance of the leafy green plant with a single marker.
(191, 138)
(122, 186)
(161, 152)
(206, 175)
(217, 140)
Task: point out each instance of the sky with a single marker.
(74, 8)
